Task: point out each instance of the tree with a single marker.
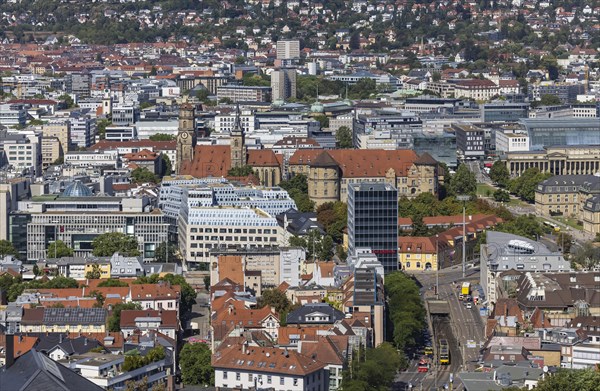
(549, 100)
(167, 165)
(587, 255)
(112, 282)
(101, 127)
(242, 171)
(207, 282)
(93, 274)
(142, 174)
(326, 248)
(274, 298)
(406, 309)
(501, 196)
(107, 244)
(343, 137)
(67, 99)
(114, 322)
(195, 364)
(373, 370)
(569, 379)
(59, 249)
(463, 182)
(161, 137)
(165, 253)
(355, 40)
(297, 188)
(499, 173)
(7, 248)
(323, 120)
(524, 225)
(564, 241)
(59, 161)
(524, 186)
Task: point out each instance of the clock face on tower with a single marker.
(183, 135)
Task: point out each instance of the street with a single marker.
(463, 328)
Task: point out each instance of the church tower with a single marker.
(238, 142)
(186, 135)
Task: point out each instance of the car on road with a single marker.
(469, 306)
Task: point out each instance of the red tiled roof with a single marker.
(288, 362)
(156, 145)
(168, 318)
(357, 163)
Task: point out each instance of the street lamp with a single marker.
(464, 199)
(437, 267)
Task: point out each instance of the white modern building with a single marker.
(218, 192)
(224, 123)
(512, 142)
(92, 158)
(200, 229)
(120, 133)
(23, 151)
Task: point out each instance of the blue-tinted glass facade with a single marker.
(373, 221)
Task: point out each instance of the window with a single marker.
(250, 377)
(295, 382)
(281, 380)
(238, 376)
(269, 379)
(224, 374)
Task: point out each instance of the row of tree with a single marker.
(406, 310)
(373, 369)
(522, 186)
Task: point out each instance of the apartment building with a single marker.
(283, 84)
(71, 320)
(245, 367)
(60, 130)
(51, 151)
(22, 151)
(470, 141)
(237, 93)
(225, 123)
(12, 115)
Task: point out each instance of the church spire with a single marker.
(238, 142)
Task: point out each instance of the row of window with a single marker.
(230, 231)
(230, 239)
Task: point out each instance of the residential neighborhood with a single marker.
(299, 195)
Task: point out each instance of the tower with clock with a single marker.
(186, 135)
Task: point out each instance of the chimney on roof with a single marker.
(10, 350)
(60, 338)
(85, 341)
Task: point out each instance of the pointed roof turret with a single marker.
(324, 160)
(237, 128)
(426, 160)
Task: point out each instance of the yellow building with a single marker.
(416, 254)
(60, 130)
(102, 267)
(591, 215)
(61, 320)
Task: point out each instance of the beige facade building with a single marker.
(51, 151)
(60, 130)
(575, 196)
(566, 160)
(591, 215)
(330, 172)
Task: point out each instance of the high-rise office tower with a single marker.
(373, 221)
(283, 84)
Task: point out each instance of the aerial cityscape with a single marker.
(343, 195)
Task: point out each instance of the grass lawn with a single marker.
(482, 190)
(570, 222)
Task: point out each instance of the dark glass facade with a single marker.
(17, 233)
(373, 221)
